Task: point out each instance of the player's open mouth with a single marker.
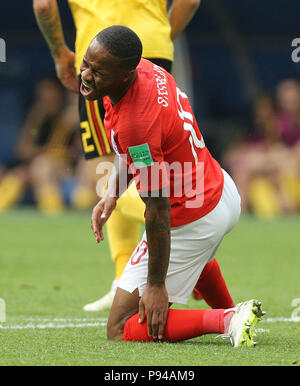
(85, 89)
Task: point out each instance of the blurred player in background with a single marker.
(157, 30)
(265, 164)
(250, 160)
(288, 100)
(46, 153)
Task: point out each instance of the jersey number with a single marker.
(188, 119)
(85, 136)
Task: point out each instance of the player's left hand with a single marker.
(155, 303)
(100, 215)
(65, 70)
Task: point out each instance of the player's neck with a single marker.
(116, 97)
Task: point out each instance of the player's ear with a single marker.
(128, 75)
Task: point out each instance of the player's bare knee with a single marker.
(124, 306)
(116, 325)
(115, 331)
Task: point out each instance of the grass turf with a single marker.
(51, 267)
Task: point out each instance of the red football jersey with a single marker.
(154, 126)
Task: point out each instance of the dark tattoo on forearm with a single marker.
(50, 26)
(158, 238)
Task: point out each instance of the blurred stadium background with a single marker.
(232, 59)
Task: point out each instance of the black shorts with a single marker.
(91, 113)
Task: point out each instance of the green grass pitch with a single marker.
(51, 267)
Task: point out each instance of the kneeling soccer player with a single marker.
(191, 203)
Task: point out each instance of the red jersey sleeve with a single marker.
(142, 143)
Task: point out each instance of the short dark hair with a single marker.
(123, 43)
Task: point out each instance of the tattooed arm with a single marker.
(154, 300)
(180, 14)
(48, 19)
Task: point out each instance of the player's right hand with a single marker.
(154, 303)
(100, 215)
(65, 70)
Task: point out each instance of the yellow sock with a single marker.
(11, 190)
(49, 200)
(123, 237)
(263, 198)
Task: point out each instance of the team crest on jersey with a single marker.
(141, 155)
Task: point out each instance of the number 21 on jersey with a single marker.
(188, 120)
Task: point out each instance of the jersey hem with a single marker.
(188, 219)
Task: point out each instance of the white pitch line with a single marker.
(281, 319)
(103, 319)
(83, 320)
(60, 323)
(52, 326)
(71, 325)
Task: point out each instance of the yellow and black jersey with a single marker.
(147, 18)
(93, 136)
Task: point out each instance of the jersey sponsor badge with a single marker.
(141, 155)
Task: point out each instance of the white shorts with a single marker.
(192, 246)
